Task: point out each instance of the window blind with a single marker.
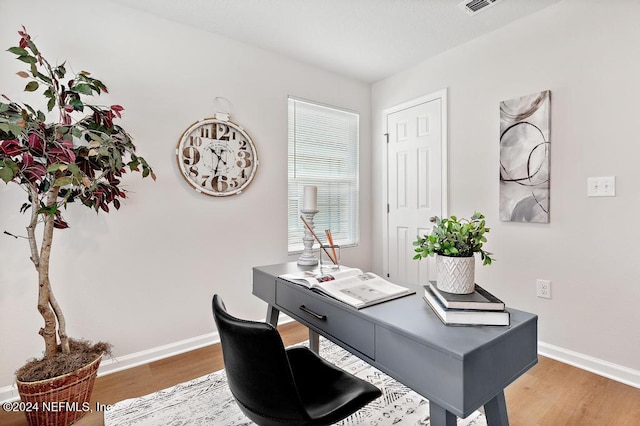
(323, 151)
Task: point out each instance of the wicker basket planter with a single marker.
(61, 400)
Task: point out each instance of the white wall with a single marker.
(144, 276)
(587, 54)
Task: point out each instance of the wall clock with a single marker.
(217, 157)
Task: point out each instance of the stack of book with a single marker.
(477, 308)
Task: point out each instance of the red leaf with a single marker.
(11, 147)
(60, 223)
(117, 109)
(27, 159)
(34, 173)
(36, 144)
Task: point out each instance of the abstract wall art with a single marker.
(524, 158)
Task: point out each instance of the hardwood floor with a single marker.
(550, 394)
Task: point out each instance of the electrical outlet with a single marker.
(543, 289)
(601, 186)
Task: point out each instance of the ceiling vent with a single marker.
(473, 7)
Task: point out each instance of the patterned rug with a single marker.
(208, 401)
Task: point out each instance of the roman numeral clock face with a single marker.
(217, 157)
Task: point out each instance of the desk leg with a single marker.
(272, 315)
(314, 341)
(441, 417)
(496, 411)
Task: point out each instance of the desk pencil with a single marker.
(333, 248)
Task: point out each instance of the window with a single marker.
(323, 151)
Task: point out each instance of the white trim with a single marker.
(114, 365)
(444, 119)
(607, 369)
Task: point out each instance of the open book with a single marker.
(350, 285)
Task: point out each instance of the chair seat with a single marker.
(328, 394)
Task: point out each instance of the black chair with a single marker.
(278, 386)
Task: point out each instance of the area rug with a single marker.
(208, 401)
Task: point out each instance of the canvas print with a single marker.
(524, 158)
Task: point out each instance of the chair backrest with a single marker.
(257, 367)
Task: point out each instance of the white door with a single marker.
(416, 183)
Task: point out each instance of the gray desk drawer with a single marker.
(339, 323)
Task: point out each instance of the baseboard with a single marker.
(597, 366)
(603, 368)
(115, 364)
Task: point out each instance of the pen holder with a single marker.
(329, 258)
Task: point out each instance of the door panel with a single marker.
(414, 187)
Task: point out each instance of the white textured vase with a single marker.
(456, 274)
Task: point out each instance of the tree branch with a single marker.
(31, 228)
(62, 323)
(44, 293)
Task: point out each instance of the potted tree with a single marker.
(454, 242)
(80, 157)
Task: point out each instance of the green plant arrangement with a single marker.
(80, 157)
(455, 238)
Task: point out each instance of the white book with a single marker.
(350, 285)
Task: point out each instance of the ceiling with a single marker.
(368, 40)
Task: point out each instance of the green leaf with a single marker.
(51, 210)
(63, 181)
(27, 59)
(77, 104)
(18, 51)
(4, 107)
(73, 168)
(51, 104)
(14, 129)
(60, 71)
(6, 174)
(85, 89)
(96, 137)
(32, 46)
(32, 86)
(44, 77)
(55, 167)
